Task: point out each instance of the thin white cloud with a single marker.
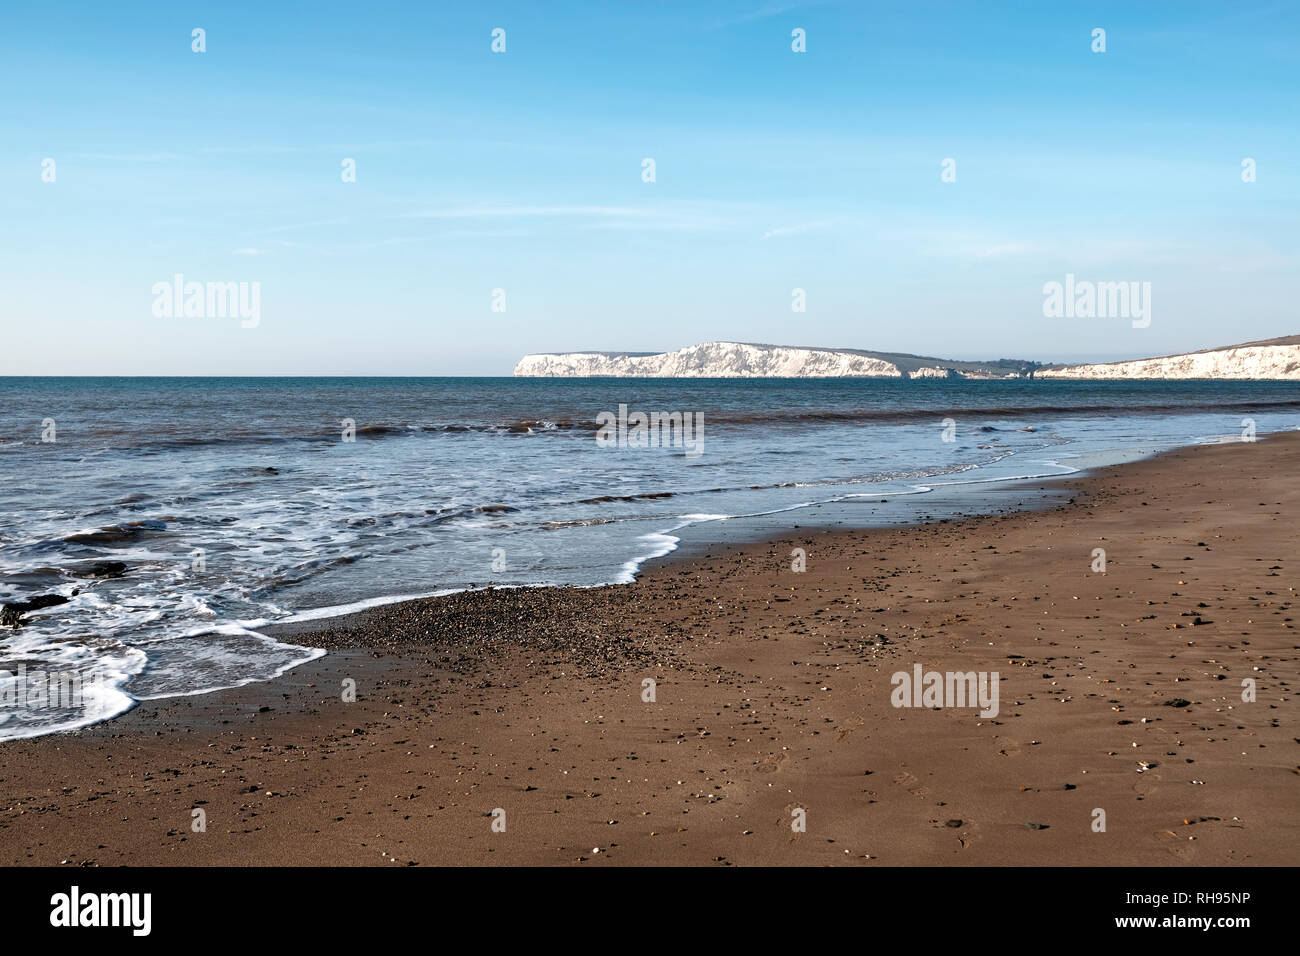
(527, 212)
(767, 10)
(1004, 249)
(452, 234)
(512, 220)
(682, 217)
(255, 149)
(130, 157)
(796, 230)
(294, 227)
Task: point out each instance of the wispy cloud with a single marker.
(771, 9)
(797, 230)
(273, 149)
(451, 234)
(686, 216)
(256, 149)
(297, 226)
(130, 157)
(1002, 250)
(490, 220)
(533, 211)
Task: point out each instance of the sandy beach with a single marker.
(1120, 691)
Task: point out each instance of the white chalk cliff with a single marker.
(1254, 361)
(711, 360)
(1269, 359)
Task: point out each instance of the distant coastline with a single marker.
(1271, 359)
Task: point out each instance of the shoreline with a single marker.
(772, 694)
(1048, 494)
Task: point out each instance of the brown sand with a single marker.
(773, 694)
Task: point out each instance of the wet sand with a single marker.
(1119, 691)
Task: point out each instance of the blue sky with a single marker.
(521, 171)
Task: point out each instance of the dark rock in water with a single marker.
(117, 534)
(11, 615)
(106, 569)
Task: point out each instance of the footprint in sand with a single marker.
(1148, 783)
(772, 762)
(850, 725)
(911, 784)
(1179, 846)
